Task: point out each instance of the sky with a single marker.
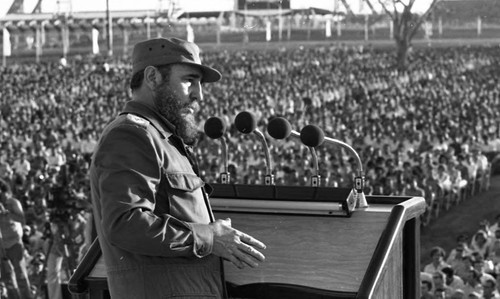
(51, 6)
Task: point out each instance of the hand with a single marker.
(235, 246)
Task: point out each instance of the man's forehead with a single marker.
(186, 69)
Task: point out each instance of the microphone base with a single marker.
(361, 202)
(356, 200)
(359, 185)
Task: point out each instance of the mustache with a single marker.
(193, 105)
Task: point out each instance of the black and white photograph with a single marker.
(250, 149)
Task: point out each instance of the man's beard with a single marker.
(170, 106)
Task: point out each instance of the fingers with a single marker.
(236, 247)
(250, 255)
(252, 241)
(247, 256)
(233, 259)
(243, 255)
(246, 250)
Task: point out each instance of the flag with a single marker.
(95, 41)
(7, 48)
(190, 33)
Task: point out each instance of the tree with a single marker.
(406, 24)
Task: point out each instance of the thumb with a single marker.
(228, 220)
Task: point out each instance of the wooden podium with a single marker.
(315, 248)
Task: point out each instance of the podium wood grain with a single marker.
(331, 253)
(372, 254)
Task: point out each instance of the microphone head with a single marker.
(279, 128)
(245, 122)
(312, 136)
(215, 127)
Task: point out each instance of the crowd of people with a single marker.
(429, 131)
(470, 270)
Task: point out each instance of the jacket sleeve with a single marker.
(127, 166)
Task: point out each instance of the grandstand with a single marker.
(43, 31)
(460, 12)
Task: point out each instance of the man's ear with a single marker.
(152, 77)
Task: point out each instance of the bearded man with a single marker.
(154, 223)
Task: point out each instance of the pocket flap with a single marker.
(184, 181)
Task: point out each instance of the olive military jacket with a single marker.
(151, 211)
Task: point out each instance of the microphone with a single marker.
(215, 128)
(312, 137)
(245, 123)
(309, 133)
(280, 128)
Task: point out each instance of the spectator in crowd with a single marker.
(490, 289)
(441, 289)
(495, 225)
(412, 188)
(21, 165)
(473, 283)
(11, 230)
(452, 281)
(438, 263)
(494, 257)
(483, 267)
(480, 243)
(458, 261)
(426, 289)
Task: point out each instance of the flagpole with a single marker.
(38, 46)
(280, 22)
(110, 30)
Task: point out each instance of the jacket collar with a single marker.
(165, 127)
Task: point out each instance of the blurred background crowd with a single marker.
(471, 269)
(431, 131)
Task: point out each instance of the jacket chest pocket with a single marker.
(185, 197)
(184, 182)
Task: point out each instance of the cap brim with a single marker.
(209, 74)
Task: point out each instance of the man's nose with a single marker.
(196, 93)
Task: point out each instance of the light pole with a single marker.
(110, 30)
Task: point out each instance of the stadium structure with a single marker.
(34, 32)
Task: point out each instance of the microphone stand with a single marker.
(225, 177)
(315, 179)
(269, 177)
(359, 179)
